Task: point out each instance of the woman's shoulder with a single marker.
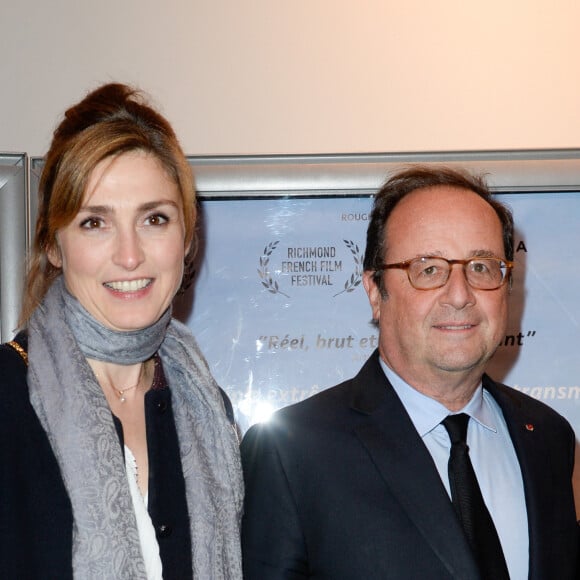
(13, 370)
(14, 354)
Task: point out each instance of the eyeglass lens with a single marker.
(482, 273)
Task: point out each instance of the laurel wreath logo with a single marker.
(356, 277)
(273, 287)
(267, 281)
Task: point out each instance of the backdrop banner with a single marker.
(280, 311)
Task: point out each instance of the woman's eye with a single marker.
(92, 223)
(157, 219)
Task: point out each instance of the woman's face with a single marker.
(122, 255)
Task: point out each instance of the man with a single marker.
(356, 482)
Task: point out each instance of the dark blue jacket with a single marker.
(36, 518)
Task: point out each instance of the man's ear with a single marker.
(373, 292)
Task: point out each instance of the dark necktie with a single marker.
(469, 505)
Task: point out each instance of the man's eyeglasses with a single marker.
(432, 272)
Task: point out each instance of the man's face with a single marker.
(450, 332)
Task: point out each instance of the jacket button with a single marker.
(164, 530)
(161, 406)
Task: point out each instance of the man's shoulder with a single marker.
(333, 410)
(314, 423)
(510, 398)
(342, 396)
(324, 404)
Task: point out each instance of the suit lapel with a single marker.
(407, 468)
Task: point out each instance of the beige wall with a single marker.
(303, 76)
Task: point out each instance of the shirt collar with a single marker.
(426, 413)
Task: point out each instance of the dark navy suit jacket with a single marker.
(341, 486)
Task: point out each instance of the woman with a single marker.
(118, 456)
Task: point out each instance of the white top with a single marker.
(149, 544)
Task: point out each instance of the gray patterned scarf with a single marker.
(74, 412)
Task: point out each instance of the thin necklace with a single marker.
(121, 392)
